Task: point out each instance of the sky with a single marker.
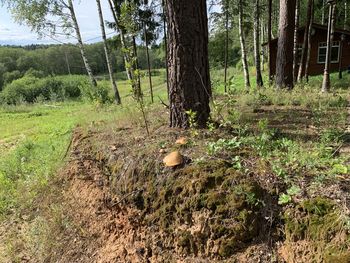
(12, 33)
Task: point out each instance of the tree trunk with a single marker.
(127, 60)
(305, 43)
(284, 68)
(269, 37)
(226, 44)
(243, 47)
(326, 84)
(189, 77)
(166, 46)
(345, 15)
(148, 63)
(296, 40)
(67, 62)
(323, 12)
(80, 44)
(108, 55)
(309, 44)
(259, 80)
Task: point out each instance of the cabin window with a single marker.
(322, 52)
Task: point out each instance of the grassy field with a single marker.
(34, 139)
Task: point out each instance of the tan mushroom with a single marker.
(173, 159)
(181, 141)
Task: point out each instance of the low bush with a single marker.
(31, 89)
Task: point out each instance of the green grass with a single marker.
(34, 139)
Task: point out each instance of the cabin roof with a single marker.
(317, 26)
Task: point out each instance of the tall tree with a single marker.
(326, 84)
(148, 62)
(269, 36)
(125, 22)
(189, 77)
(309, 43)
(226, 11)
(284, 63)
(296, 40)
(301, 70)
(259, 80)
(108, 55)
(71, 9)
(243, 45)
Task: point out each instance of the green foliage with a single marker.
(287, 198)
(221, 145)
(29, 89)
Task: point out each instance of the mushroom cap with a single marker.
(181, 141)
(173, 159)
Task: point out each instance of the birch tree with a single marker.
(107, 54)
(243, 45)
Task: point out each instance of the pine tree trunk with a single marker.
(80, 44)
(108, 55)
(269, 37)
(284, 67)
(189, 77)
(259, 80)
(148, 63)
(243, 47)
(326, 84)
(305, 42)
(296, 40)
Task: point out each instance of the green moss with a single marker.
(227, 247)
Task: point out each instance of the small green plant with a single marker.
(287, 198)
(192, 122)
(223, 145)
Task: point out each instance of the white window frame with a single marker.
(323, 45)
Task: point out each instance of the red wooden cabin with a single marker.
(340, 49)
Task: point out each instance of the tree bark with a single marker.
(259, 80)
(243, 47)
(296, 40)
(148, 62)
(189, 77)
(305, 41)
(108, 55)
(80, 44)
(284, 68)
(326, 84)
(269, 37)
(166, 46)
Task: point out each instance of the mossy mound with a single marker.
(316, 231)
(210, 209)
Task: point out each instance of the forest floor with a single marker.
(268, 181)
